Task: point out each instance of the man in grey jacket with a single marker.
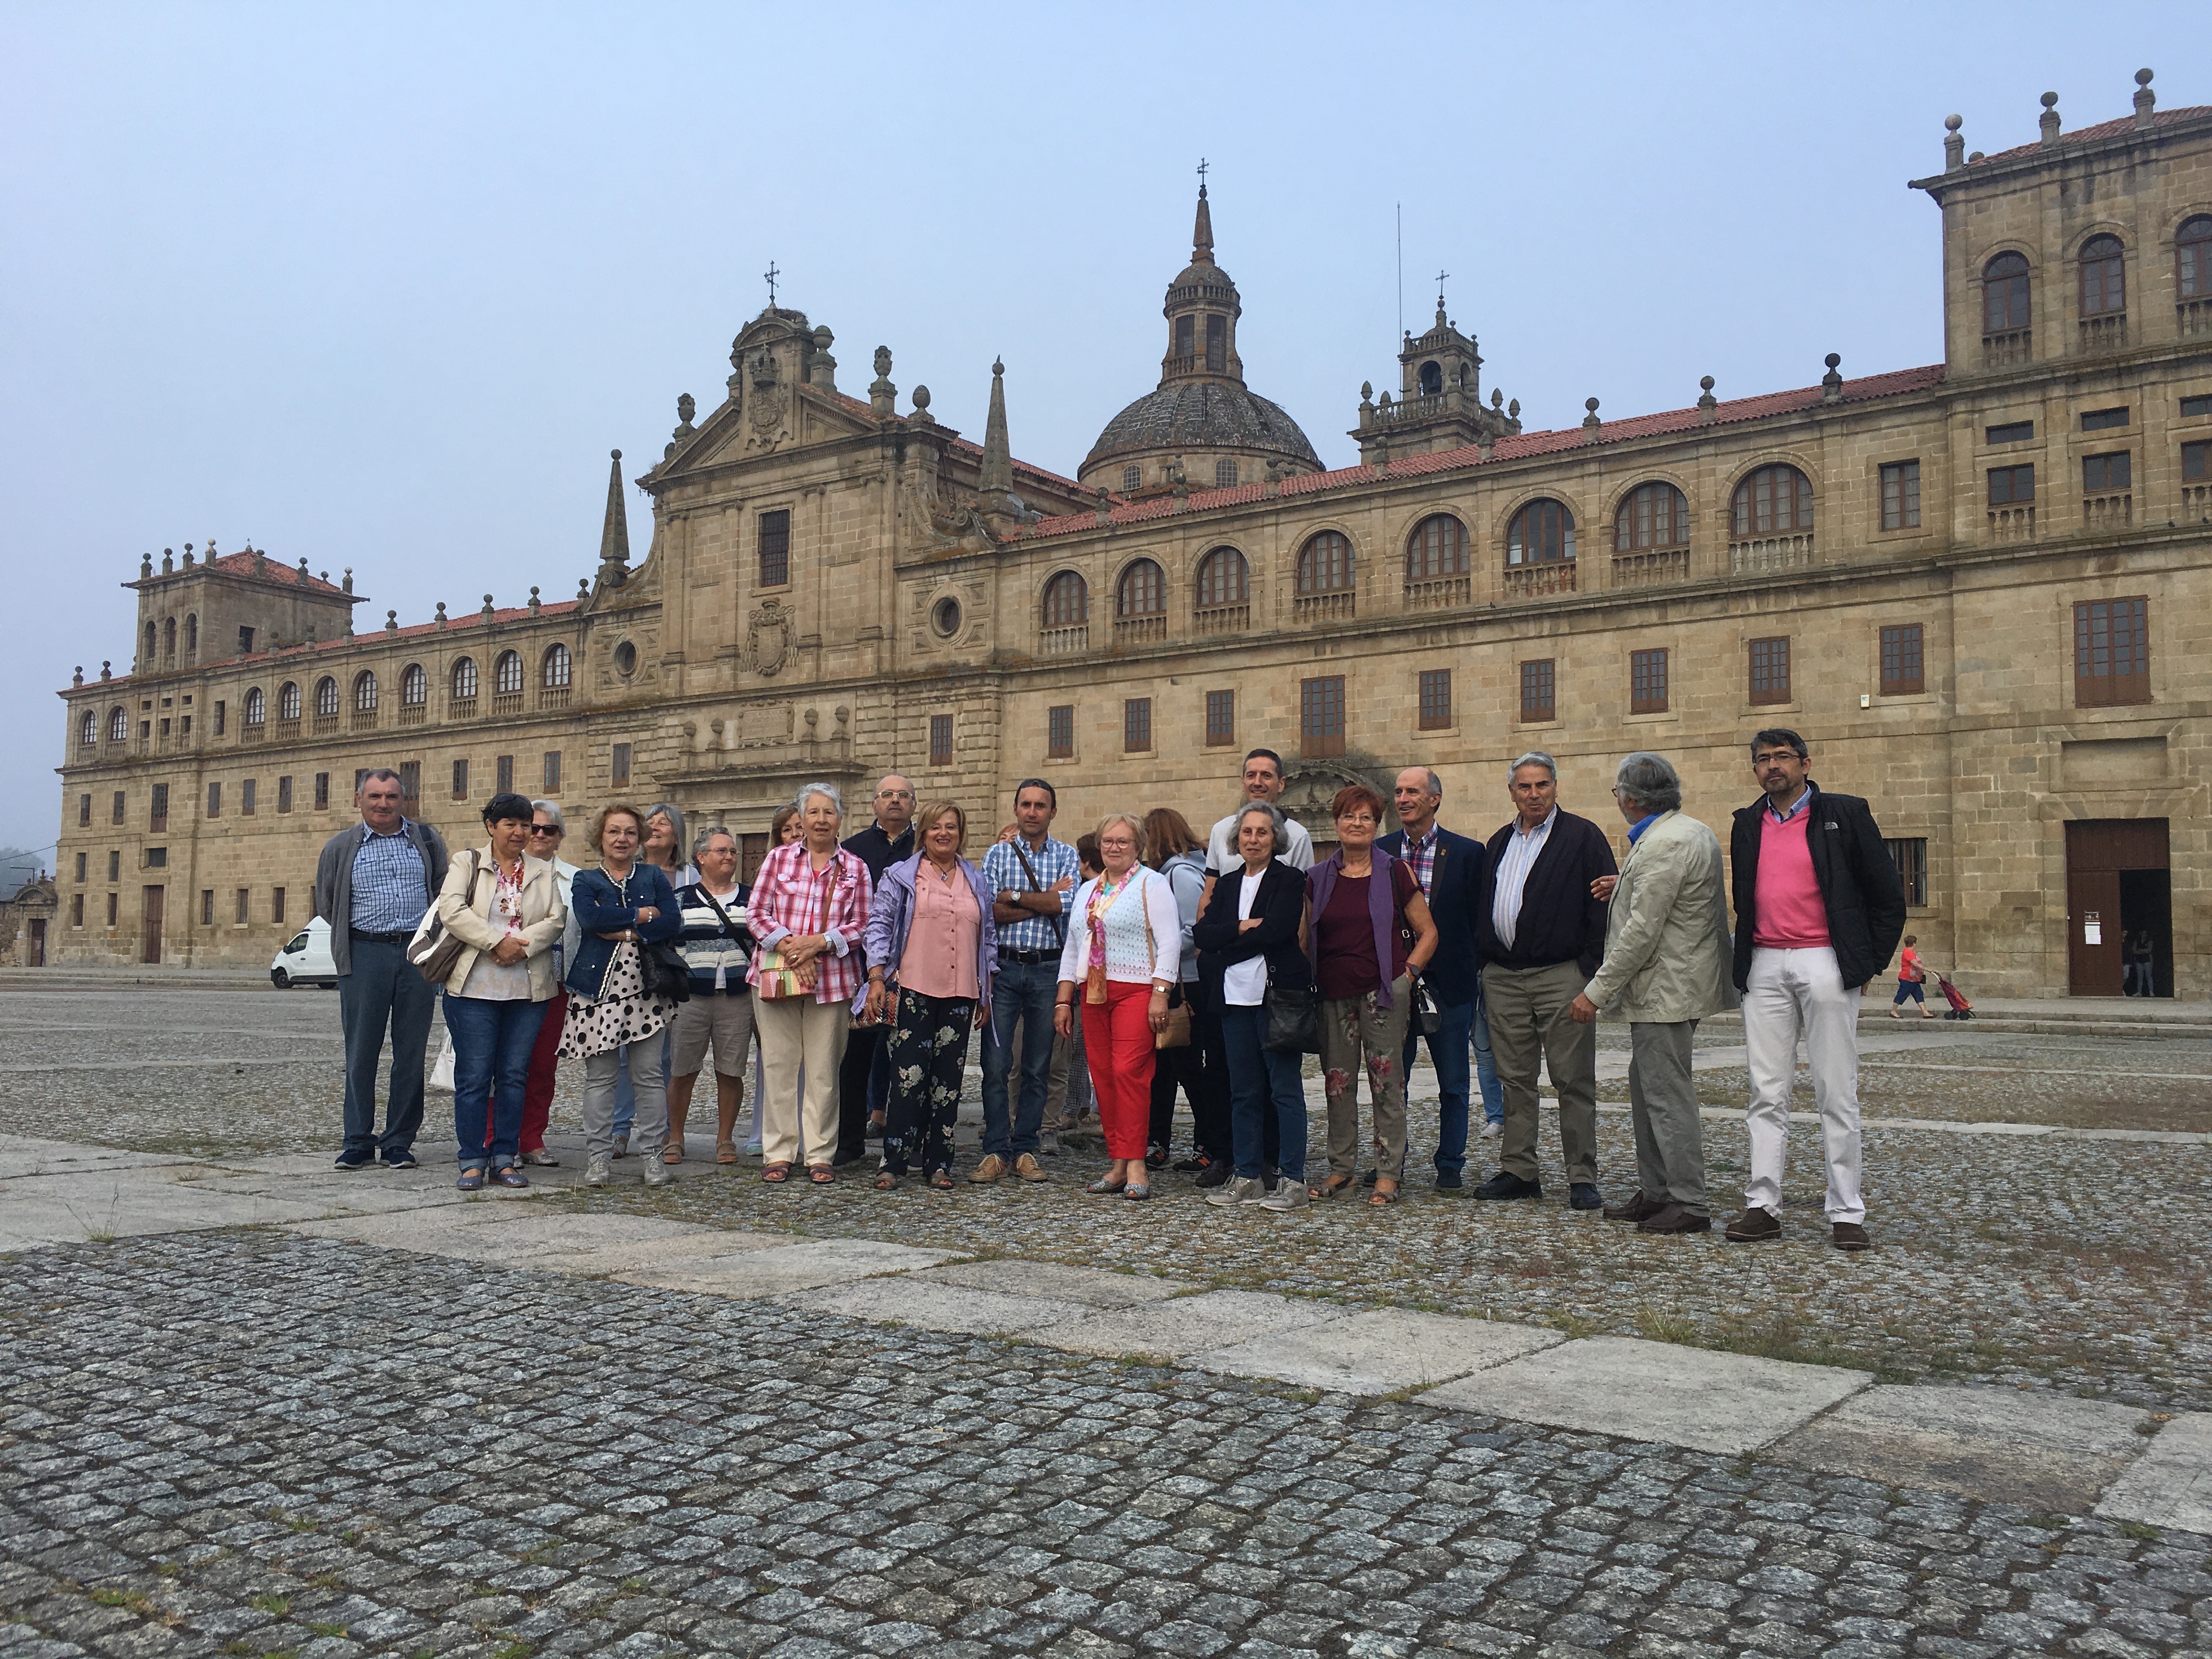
(373, 884)
(1666, 960)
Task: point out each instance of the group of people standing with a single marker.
(864, 966)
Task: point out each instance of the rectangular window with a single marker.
(359, 773)
(504, 772)
(76, 910)
(2013, 432)
(1436, 699)
(1911, 854)
(245, 641)
(410, 785)
(207, 907)
(2196, 463)
(1321, 715)
(2101, 474)
(2196, 406)
(940, 739)
(113, 905)
(1217, 345)
(157, 812)
(1900, 495)
(114, 866)
(2112, 653)
(215, 800)
(1220, 719)
(284, 793)
(2103, 420)
(2011, 486)
(80, 868)
(1647, 682)
(117, 816)
(1540, 688)
(221, 709)
(247, 790)
(83, 812)
(244, 904)
(775, 548)
(157, 858)
(617, 767)
(184, 726)
(1136, 725)
(1902, 674)
(322, 791)
(276, 905)
(1770, 671)
(460, 780)
(552, 772)
(1059, 731)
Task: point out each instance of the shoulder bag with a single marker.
(1175, 1034)
(435, 950)
(1059, 918)
(1422, 1018)
(777, 981)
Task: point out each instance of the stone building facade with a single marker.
(1977, 587)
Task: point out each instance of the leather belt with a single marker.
(381, 939)
(1028, 958)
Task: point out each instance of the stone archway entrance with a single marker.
(1309, 788)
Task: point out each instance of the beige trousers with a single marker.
(797, 1035)
(1529, 1024)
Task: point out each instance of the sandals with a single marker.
(672, 1152)
(887, 1180)
(726, 1152)
(776, 1174)
(941, 1179)
(821, 1174)
(1381, 1195)
(1137, 1191)
(1330, 1186)
(1103, 1185)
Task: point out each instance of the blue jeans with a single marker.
(1448, 1052)
(492, 1043)
(1021, 997)
(1486, 1069)
(382, 989)
(1262, 1084)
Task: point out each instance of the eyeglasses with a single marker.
(546, 829)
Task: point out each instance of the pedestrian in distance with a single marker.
(1911, 980)
(717, 949)
(1031, 877)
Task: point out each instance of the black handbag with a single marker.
(1292, 1025)
(667, 976)
(1423, 1017)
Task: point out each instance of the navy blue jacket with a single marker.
(598, 908)
(1455, 890)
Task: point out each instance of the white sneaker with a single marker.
(1239, 1190)
(1491, 1131)
(656, 1172)
(753, 1147)
(598, 1170)
(1289, 1194)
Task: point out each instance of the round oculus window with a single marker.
(625, 659)
(945, 617)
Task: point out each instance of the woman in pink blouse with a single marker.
(809, 914)
(933, 951)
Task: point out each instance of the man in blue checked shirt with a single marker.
(1029, 877)
(373, 884)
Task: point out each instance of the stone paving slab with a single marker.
(786, 1267)
(1187, 1325)
(909, 1300)
(2044, 1452)
(1383, 1352)
(2171, 1484)
(1097, 1287)
(70, 1209)
(26, 1155)
(1638, 1390)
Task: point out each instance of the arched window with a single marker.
(152, 639)
(1143, 590)
(2004, 294)
(364, 692)
(1775, 501)
(1224, 577)
(1432, 380)
(257, 708)
(1542, 533)
(1436, 549)
(118, 725)
(1132, 479)
(414, 686)
(2104, 276)
(1653, 515)
(327, 698)
(507, 673)
(1224, 475)
(1325, 563)
(288, 701)
(192, 635)
(554, 671)
(88, 729)
(464, 680)
(2192, 260)
(1066, 601)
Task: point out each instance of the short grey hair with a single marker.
(667, 810)
(817, 787)
(1534, 757)
(551, 811)
(1649, 780)
(699, 843)
(1277, 825)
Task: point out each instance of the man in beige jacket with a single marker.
(1666, 960)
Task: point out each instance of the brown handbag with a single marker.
(1176, 1033)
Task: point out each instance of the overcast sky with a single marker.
(381, 286)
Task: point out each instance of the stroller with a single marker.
(1960, 1008)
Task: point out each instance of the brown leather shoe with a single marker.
(1634, 1207)
(1028, 1169)
(1851, 1235)
(993, 1168)
(1754, 1226)
(1674, 1219)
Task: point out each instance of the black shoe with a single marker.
(350, 1159)
(401, 1159)
(1190, 1165)
(1156, 1157)
(1503, 1185)
(1583, 1195)
(1368, 1180)
(1448, 1180)
(1216, 1173)
(839, 1160)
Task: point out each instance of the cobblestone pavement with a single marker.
(244, 1443)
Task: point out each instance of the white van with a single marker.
(305, 959)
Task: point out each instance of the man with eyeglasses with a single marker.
(864, 1079)
(547, 831)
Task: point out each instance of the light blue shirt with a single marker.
(390, 888)
(1514, 864)
(1784, 817)
(1003, 872)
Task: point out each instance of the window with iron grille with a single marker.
(1142, 592)
(2104, 276)
(116, 814)
(775, 548)
(2103, 473)
(1900, 495)
(2004, 295)
(248, 796)
(1132, 478)
(1224, 475)
(940, 739)
(277, 904)
(460, 780)
(1321, 715)
(1647, 682)
(1220, 719)
(1325, 563)
(244, 899)
(2104, 420)
(1902, 673)
(1910, 853)
(2011, 486)
(618, 766)
(1059, 731)
(114, 867)
(1775, 501)
(1217, 345)
(1542, 533)
(552, 771)
(2012, 432)
(83, 812)
(1136, 725)
(1769, 670)
(284, 793)
(2196, 462)
(2112, 653)
(207, 907)
(215, 800)
(1224, 577)
(1436, 549)
(322, 791)
(1540, 690)
(1436, 699)
(503, 769)
(1652, 515)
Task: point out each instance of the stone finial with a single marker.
(822, 367)
(1954, 144)
(1591, 425)
(583, 587)
(260, 559)
(303, 564)
(210, 548)
(487, 608)
(187, 561)
(614, 531)
(1708, 405)
(882, 396)
(1274, 487)
(438, 621)
(1513, 413)
(1381, 461)
(146, 566)
(392, 622)
(533, 602)
(1105, 506)
(168, 562)
(686, 407)
(1973, 156)
(313, 635)
(921, 416)
(1497, 399)
(78, 677)
(1385, 401)
(347, 584)
(2049, 123)
(2146, 100)
(1832, 383)
(108, 671)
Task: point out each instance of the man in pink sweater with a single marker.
(1819, 910)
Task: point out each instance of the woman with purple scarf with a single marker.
(1369, 933)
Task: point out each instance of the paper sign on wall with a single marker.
(2093, 927)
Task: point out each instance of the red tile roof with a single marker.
(1037, 472)
(242, 564)
(2102, 129)
(1732, 410)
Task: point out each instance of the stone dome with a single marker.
(1202, 414)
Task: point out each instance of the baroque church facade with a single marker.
(1976, 587)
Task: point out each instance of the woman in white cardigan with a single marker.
(505, 908)
(1124, 949)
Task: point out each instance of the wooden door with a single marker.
(2096, 850)
(150, 939)
(38, 943)
(751, 849)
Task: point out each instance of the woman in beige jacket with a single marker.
(505, 908)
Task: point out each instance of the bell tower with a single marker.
(1439, 405)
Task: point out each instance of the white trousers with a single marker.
(1794, 994)
(802, 1041)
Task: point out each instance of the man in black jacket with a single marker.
(1542, 933)
(1819, 910)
